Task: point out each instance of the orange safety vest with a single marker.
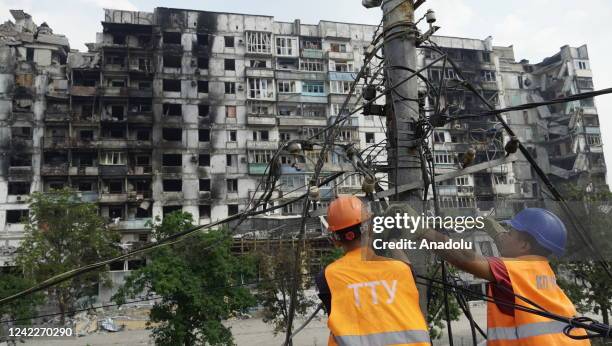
(532, 278)
(374, 303)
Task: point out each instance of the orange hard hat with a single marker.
(344, 212)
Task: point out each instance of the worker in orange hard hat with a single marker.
(369, 302)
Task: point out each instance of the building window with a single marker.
(338, 47)
(232, 209)
(172, 37)
(486, 56)
(285, 136)
(462, 181)
(285, 87)
(204, 160)
(19, 188)
(203, 86)
(313, 87)
(172, 85)
(444, 159)
(17, 216)
(232, 136)
(143, 135)
(370, 138)
(258, 108)
(203, 111)
(204, 211)
(230, 111)
(230, 64)
(284, 46)
(341, 66)
(260, 88)
(259, 42)
(261, 136)
(172, 61)
(230, 88)
(229, 41)
(313, 65)
(172, 109)
(204, 185)
(488, 76)
(113, 159)
(582, 65)
(172, 134)
(173, 185)
(231, 160)
(500, 179)
(335, 109)
(204, 135)
(172, 160)
(232, 185)
(340, 87)
(203, 63)
(257, 63)
(594, 140)
(203, 40)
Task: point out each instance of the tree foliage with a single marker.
(198, 281)
(436, 312)
(62, 234)
(12, 282)
(274, 288)
(583, 278)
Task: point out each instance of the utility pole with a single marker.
(400, 38)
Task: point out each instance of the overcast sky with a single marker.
(536, 28)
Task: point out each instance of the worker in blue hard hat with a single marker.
(521, 276)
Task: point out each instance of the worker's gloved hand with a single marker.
(493, 228)
(406, 210)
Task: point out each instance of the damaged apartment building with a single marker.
(182, 110)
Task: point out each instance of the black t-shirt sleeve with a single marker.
(323, 291)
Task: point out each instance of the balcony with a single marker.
(56, 142)
(112, 143)
(259, 72)
(258, 168)
(312, 53)
(342, 76)
(114, 92)
(341, 55)
(88, 196)
(140, 118)
(56, 170)
(139, 196)
(262, 145)
(143, 93)
(17, 198)
(261, 120)
(301, 121)
(81, 170)
(57, 116)
(140, 170)
(83, 91)
(113, 170)
(134, 225)
(113, 197)
(20, 173)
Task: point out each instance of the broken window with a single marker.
(232, 136)
(114, 187)
(86, 135)
(172, 160)
(117, 83)
(203, 40)
(119, 39)
(313, 65)
(204, 211)
(117, 112)
(311, 43)
(257, 63)
(486, 56)
(203, 110)
(230, 88)
(18, 188)
(230, 64)
(260, 108)
(314, 110)
(172, 134)
(204, 135)
(203, 86)
(203, 63)
(204, 160)
(172, 37)
(369, 137)
(260, 88)
(83, 159)
(261, 135)
(286, 86)
(17, 216)
(172, 109)
(284, 45)
(594, 140)
(30, 54)
(113, 158)
(115, 212)
(232, 209)
(204, 185)
(21, 132)
(173, 85)
(169, 209)
(232, 185)
(173, 185)
(115, 60)
(488, 76)
(229, 41)
(113, 132)
(230, 111)
(143, 135)
(340, 87)
(338, 47)
(259, 42)
(231, 160)
(172, 61)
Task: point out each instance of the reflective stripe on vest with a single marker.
(388, 338)
(526, 330)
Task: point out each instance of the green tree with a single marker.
(436, 311)
(274, 289)
(198, 281)
(583, 278)
(62, 234)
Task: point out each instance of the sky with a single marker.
(536, 28)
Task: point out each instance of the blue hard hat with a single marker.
(544, 226)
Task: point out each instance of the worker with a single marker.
(522, 276)
(370, 301)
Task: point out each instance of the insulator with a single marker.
(512, 146)
(314, 193)
(294, 148)
(469, 157)
(431, 16)
(368, 185)
(369, 93)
